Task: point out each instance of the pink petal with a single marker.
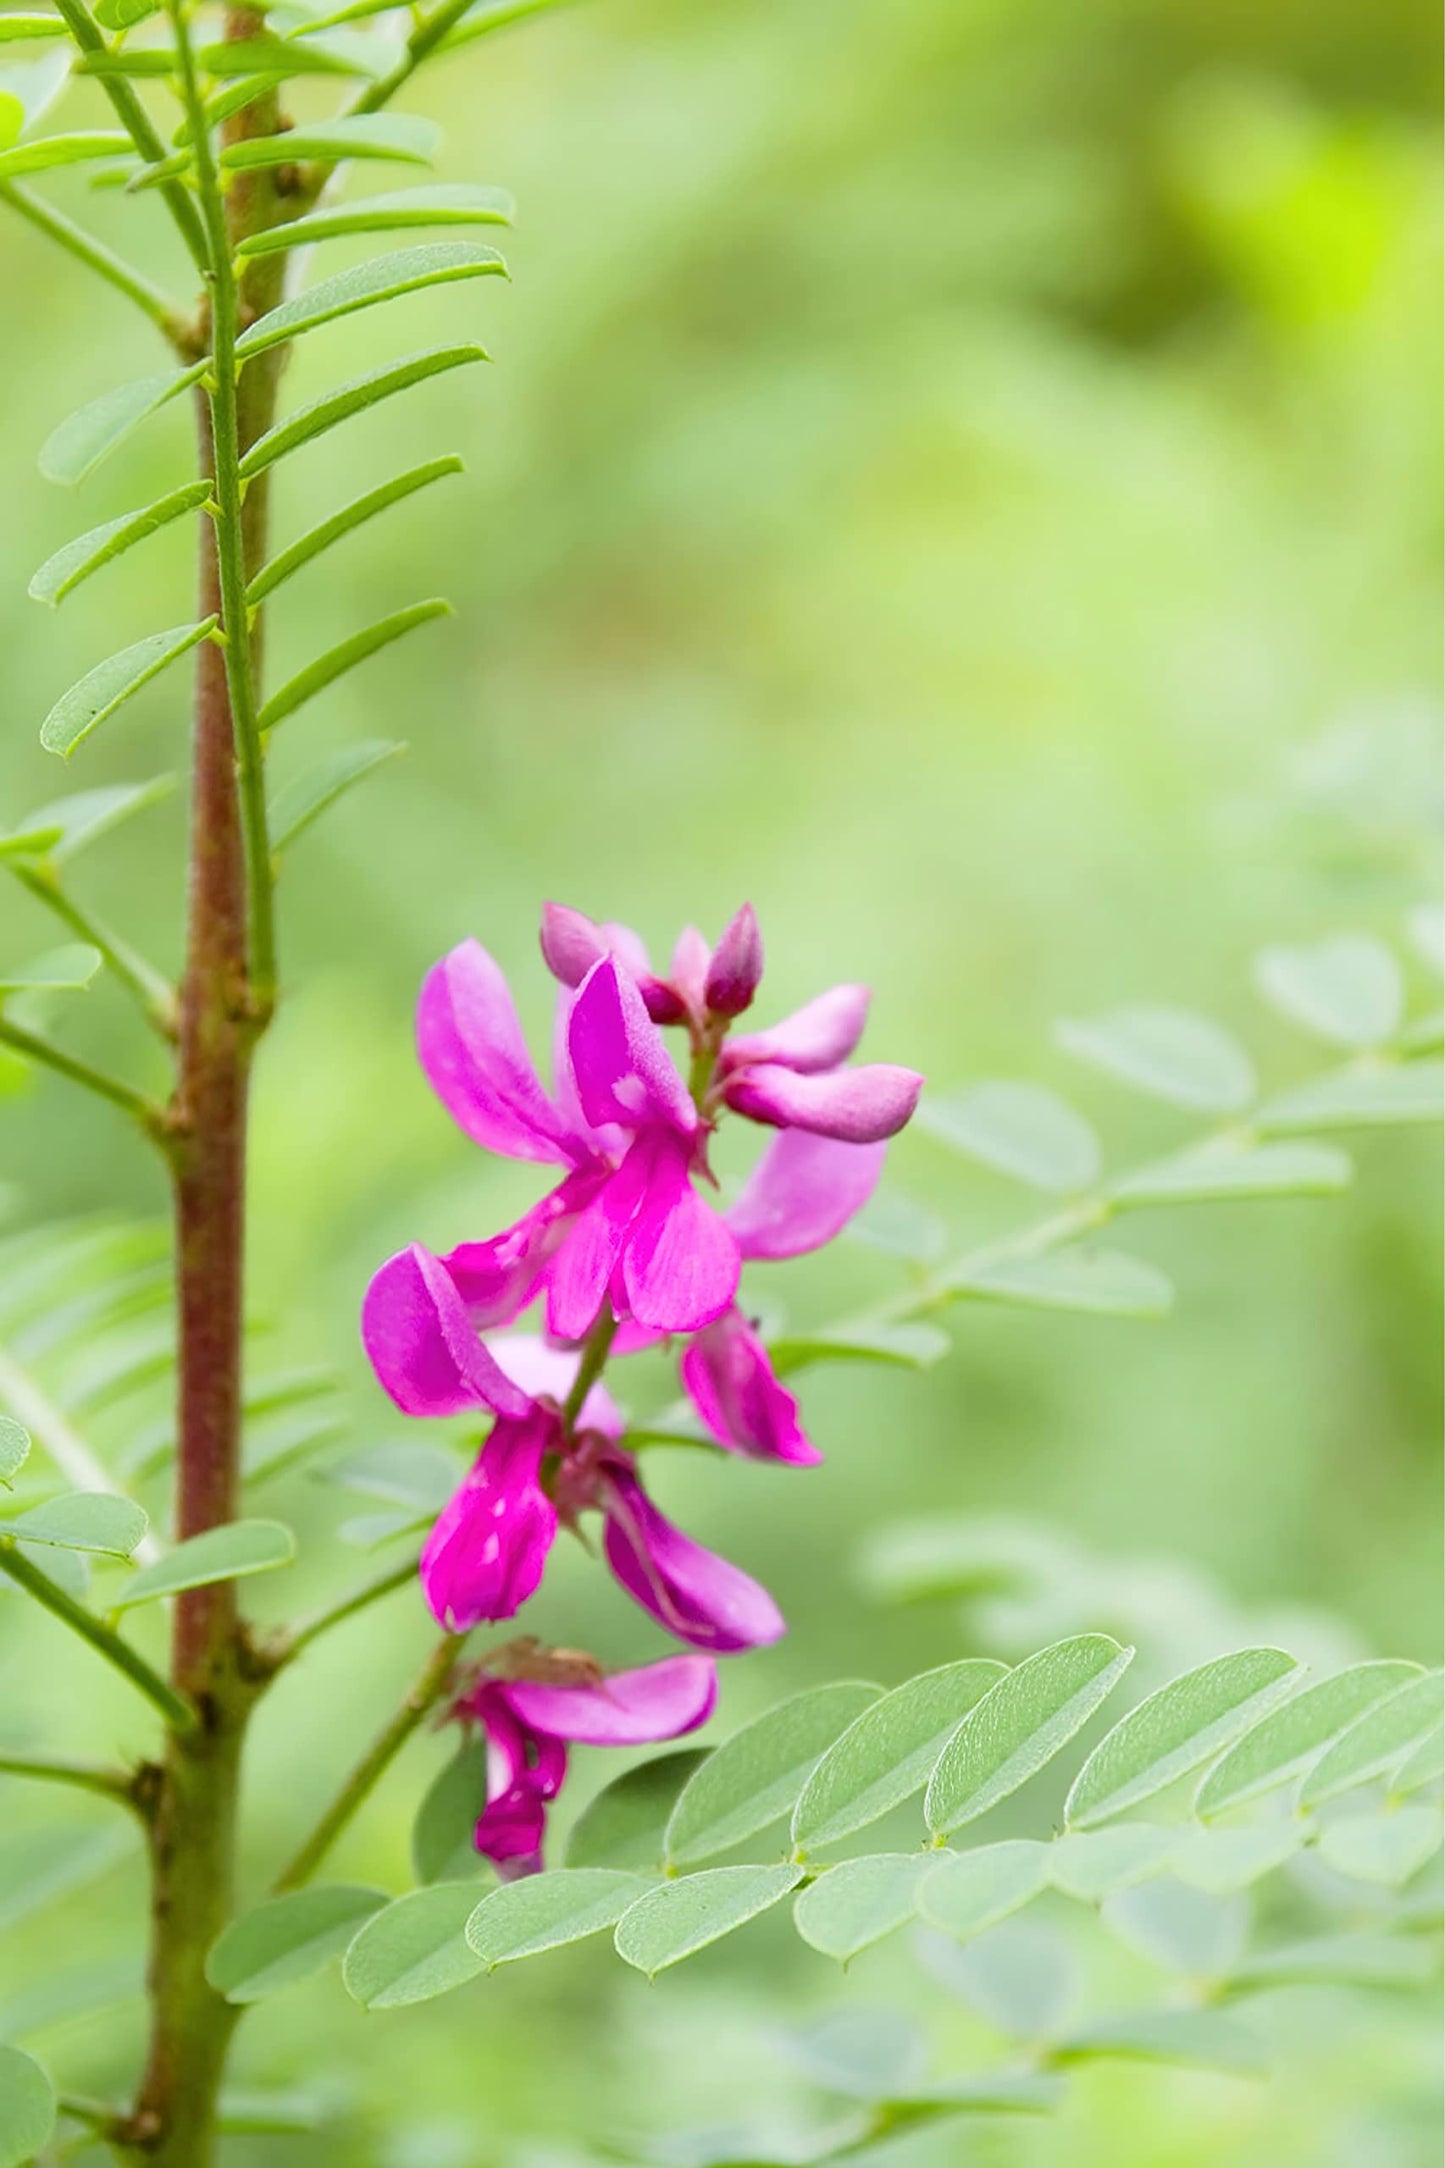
(538, 1368)
(624, 1073)
(422, 1346)
(580, 1275)
(691, 959)
(736, 969)
(473, 1052)
(680, 1261)
(857, 1106)
(817, 1036)
(696, 1595)
(631, 1708)
(731, 1383)
(498, 1279)
(488, 1551)
(802, 1192)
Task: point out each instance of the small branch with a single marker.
(87, 1776)
(336, 1614)
(430, 1686)
(595, 1350)
(179, 1714)
(132, 1102)
(134, 119)
(147, 986)
(33, 1407)
(424, 40)
(164, 313)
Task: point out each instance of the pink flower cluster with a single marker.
(625, 1251)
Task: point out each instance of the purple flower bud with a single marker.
(736, 967)
(571, 943)
(857, 1106)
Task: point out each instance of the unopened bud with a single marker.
(571, 943)
(737, 966)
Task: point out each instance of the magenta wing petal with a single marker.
(581, 1273)
(623, 1071)
(803, 1192)
(857, 1106)
(696, 1595)
(732, 1384)
(422, 1345)
(496, 1280)
(538, 1368)
(680, 1260)
(631, 1708)
(488, 1550)
(472, 1049)
(818, 1036)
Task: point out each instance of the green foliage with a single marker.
(27, 2107)
(335, 663)
(544, 1912)
(1185, 1060)
(300, 552)
(289, 1938)
(675, 1920)
(83, 1521)
(352, 398)
(888, 1752)
(1174, 1731)
(63, 970)
(228, 1553)
(402, 137)
(366, 286)
(1019, 1725)
(445, 204)
(61, 574)
(14, 1449)
(414, 1948)
(303, 801)
(757, 1778)
(93, 699)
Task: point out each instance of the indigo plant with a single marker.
(634, 1248)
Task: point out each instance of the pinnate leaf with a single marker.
(275, 58)
(76, 446)
(297, 804)
(447, 204)
(1174, 1730)
(1099, 1282)
(1167, 1053)
(228, 1553)
(300, 552)
(755, 1777)
(1224, 1170)
(1285, 1741)
(1207, 2039)
(98, 1521)
(1018, 1129)
(64, 970)
(62, 573)
(1377, 1740)
(546, 1911)
(1424, 1764)
(413, 1949)
(858, 1902)
(1381, 1096)
(346, 655)
(677, 1919)
(889, 1751)
(95, 697)
(14, 1448)
(1347, 990)
(70, 825)
(365, 286)
(979, 1888)
(625, 1825)
(1019, 1725)
(287, 1939)
(27, 2108)
(353, 397)
(62, 150)
(401, 136)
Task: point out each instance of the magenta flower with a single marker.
(729, 1379)
(528, 1725)
(692, 1592)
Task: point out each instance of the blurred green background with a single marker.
(962, 474)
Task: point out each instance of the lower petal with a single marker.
(732, 1384)
(803, 1192)
(858, 1106)
(422, 1345)
(631, 1708)
(681, 1262)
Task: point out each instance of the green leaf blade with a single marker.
(1207, 2039)
(889, 1751)
(69, 825)
(353, 397)
(48, 152)
(61, 574)
(289, 561)
(908, 1347)
(231, 1552)
(98, 1521)
(1376, 1741)
(1169, 1054)
(27, 2108)
(1095, 1282)
(755, 1777)
(1020, 1130)
(1283, 1743)
(414, 1949)
(1347, 990)
(93, 699)
(548, 1911)
(974, 1891)
(303, 801)
(860, 1901)
(14, 1448)
(677, 1919)
(367, 285)
(345, 656)
(1223, 1171)
(400, 136)
(287, 1939)
(1383, 1095)
(1019, 1725)
(443, 1836)
(76, 446)
(447, 204)
(67, 970)
(625, 1825)
(1173, 1731)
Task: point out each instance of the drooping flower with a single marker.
(691, 1591)
(529, 1724)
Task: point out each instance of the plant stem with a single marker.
(428, 1689)
(336, 1614)
(595, 1349)
(158, 306)
(177, 1711)
(34, 1048)
(87, 1776)
(147, 986)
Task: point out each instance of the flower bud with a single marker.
(571, 943)
(736, 967)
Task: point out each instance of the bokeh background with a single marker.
(961, 473)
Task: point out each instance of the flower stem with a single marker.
(336, 1614)
(178, 1712)
(427, 1690)
(595, 1350)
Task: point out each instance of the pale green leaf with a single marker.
(864, 2054)
(894, 1224)
(677, 1919)
(227, 1553)
(1288, 1739)
(910, 1347)
(97, 1521)
(1001, 2092)
(1426, 928)
(1092, 1865)
(447, 204)
(889, 1751)
(546, 1911)
(14, 1448)
(61, 150)
(351, 398)
(297, 804)
(63, 970)
(140, 61)
(346, 655)
(1375, 1096)
(976, 1890)
(1207, 2039)
(1175, 1730)
(1222, 1861)
(443, 1846)
(1020, 1130)
(1347, 990)
(1224, 1170)
(858, 1902)
(76, 446)
(921, 1561)
(1386, 1848)
(1169, 1054)
(274, 58)
(1019, 1725)
(63, 572)
(17, 28)
(70, 825)
(1424, 1765)
(365, 286)
(414, 1949)
(318, 538)
(27, 2108)
(124, 14)
(94, 698)
(1021, 1977)
(755, 1777)
(1349, 1960)
(1187, 1930)
(287, 1939)
(1104, 1283)
(369, 1531)
(624, 1825)
(404, 1474)
(401, 136)
(280, 1441)
(1376, 1742)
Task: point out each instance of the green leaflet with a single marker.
(1376, 1742)
(979, 1888)
(93, 699)
(754, 1778)
(1285, 1741)
(1020, 1130)
(912, 1347)
(1207, 2038)
(1167, 1053)
(62, 150)
(1099, 1282)
(624, 1825)
(273, 58)
(366, 285)
(442, 1849)
(350, 398)
(98, 1521)
(677, 1919)
(858, 1902)
(1347, 990)
(547, 1911)
(1019, 1725)
(446, 204)
(1224, 1170)
(1374, 1095)
(414, 1949)
(335, 663)
(63, 970)
(61, 574)
(287, 1939)
(889, 1751)
(27, 2108)
(76, 446)
(403, 1474)
(17, 28)
(300, 552)
(298, 804)
(1175, 1730)
(219, 1554)
(402, 136)
(14, 1448)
